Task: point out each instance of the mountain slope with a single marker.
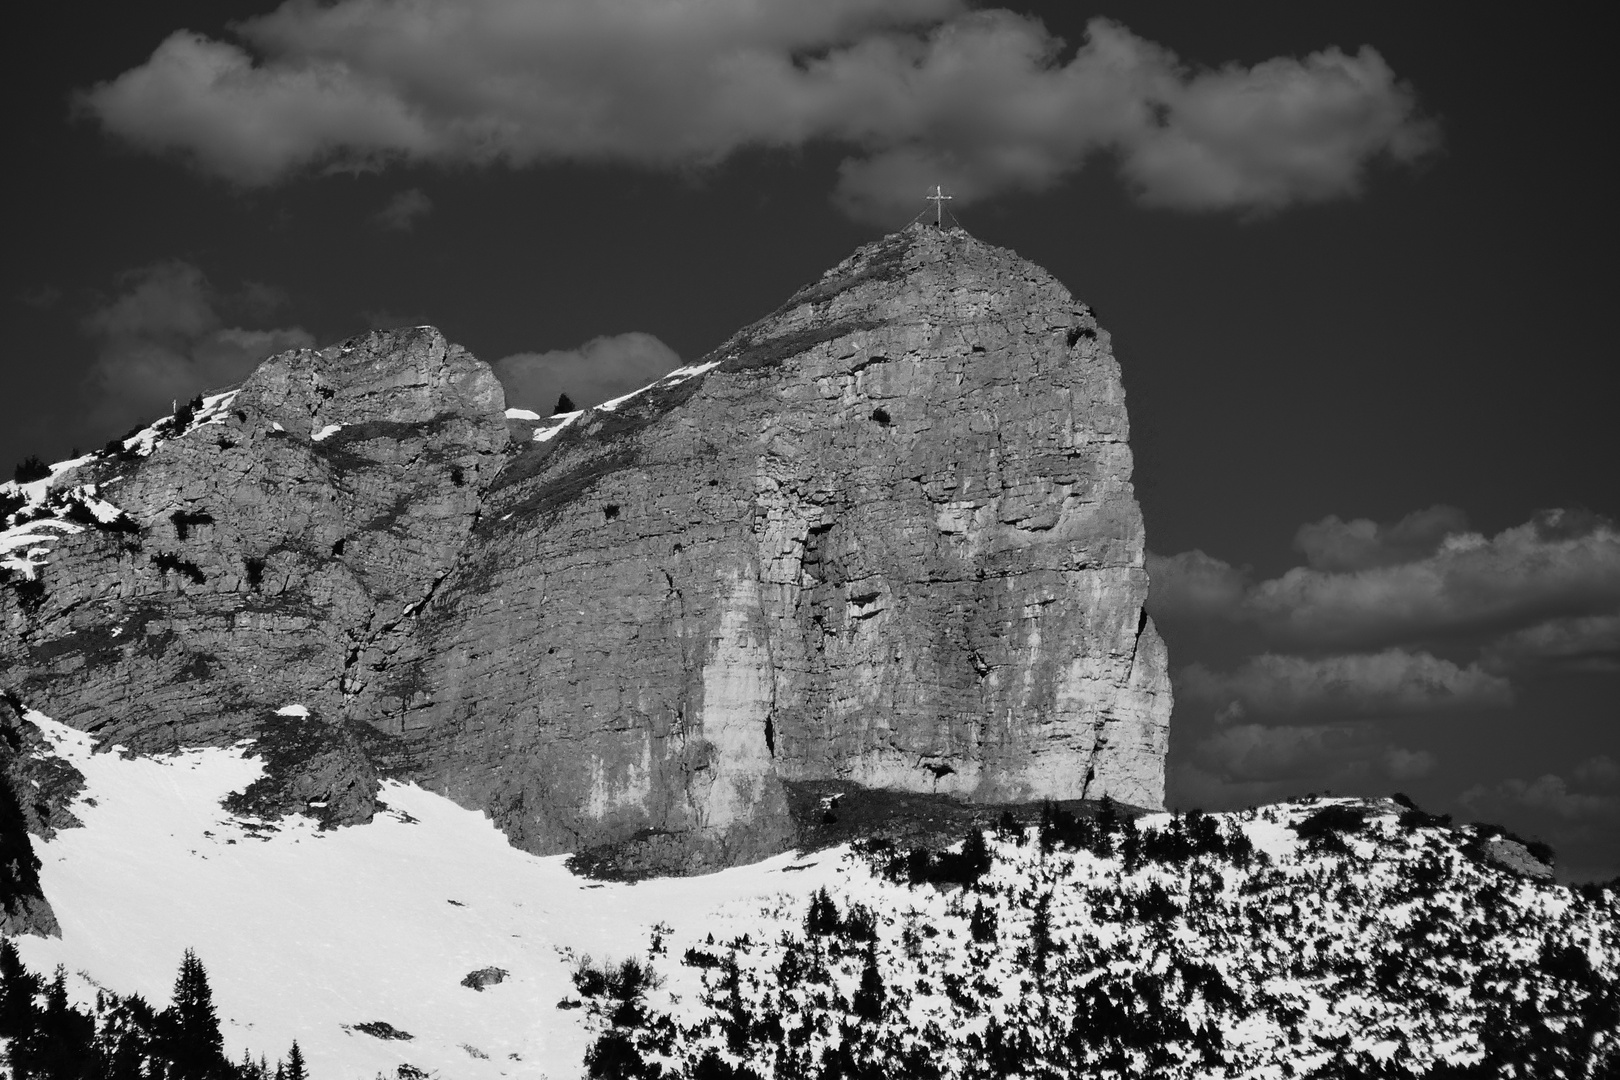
(1320, 938)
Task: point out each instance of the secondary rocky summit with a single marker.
(884, 536)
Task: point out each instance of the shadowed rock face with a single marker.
(886, 536)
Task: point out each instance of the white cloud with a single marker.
(1392, 681)
(1333, 544)
(1560, 565)
(1403, 764)
(1193, 585)
(404, 210)
(1582, 643)
(1245, 764)
(163, 338)
(1253, 752)
(598, 370)
(1548, 794)
(916, 91)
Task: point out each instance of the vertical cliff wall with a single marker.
(885, 535)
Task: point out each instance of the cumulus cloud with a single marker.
(1392, 681)
(1548, 793)
(403, 211)
(164, 337)
(1600, 771)
(1194, 586)
(1332, 544)
(1560, 565)
(917, 92)
(1249, 752)
(598, 370)
(1403, 764)
(1585, 643)
(1244, 764)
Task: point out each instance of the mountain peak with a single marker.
(883, 538)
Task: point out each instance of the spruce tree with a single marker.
(868, 1003)
(20, 1015)
(65, 1038)
(18, 1012)
(565, 404)
(295, 1064)
(189, 1027)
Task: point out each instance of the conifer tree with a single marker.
(18, 986)
(295, 1064)
(65, 1044)
(868, 1003)
(565, 404)
(982, 923)
(189, 1027)
(976, 858)
(822, 918)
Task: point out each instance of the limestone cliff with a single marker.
(885, 534)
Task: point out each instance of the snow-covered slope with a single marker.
(1324, 937)
(304, 931)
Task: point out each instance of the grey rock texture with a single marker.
(1514, 856)
(267, 559)
(35, 790)
(885, 535)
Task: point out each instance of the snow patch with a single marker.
(556, 424)
(326, 432)
(293, 710)
(679, 375)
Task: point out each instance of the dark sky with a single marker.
(1361, 291)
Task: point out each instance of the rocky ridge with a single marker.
(885, 536)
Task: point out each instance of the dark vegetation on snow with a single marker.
(120, 1038)
(826, 813)
(30, 469)
(1090, 946)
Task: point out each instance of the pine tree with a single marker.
(982, 923)
(822, 918)
(868, 1003)
(189, 1028)
(295, 1064)
(976, 859)
(66, 1037)
(18, 1012)
(20, 1015)
(565, 404)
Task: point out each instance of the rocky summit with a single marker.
(883, 538)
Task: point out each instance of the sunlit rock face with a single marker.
(268, 540)
(890, 537)
(885, 535)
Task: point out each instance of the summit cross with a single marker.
(938, 198)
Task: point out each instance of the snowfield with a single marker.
(304, 931)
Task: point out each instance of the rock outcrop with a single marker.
(885, 535)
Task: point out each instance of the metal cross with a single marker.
(938, 198)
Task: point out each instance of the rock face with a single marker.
(885, 535)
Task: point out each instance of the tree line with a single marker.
(121, 1038)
